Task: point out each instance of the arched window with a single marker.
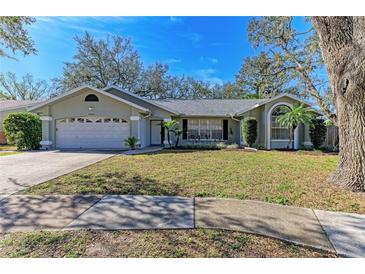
(91, 98)
(279, 132)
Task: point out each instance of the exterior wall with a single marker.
(258, 114)
(302, 132)
(3, 114)
(306, 139)
(75, 106)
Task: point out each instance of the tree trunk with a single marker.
(342, 41)
(168, 138)
(177, 141)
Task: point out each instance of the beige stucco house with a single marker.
(92, 118)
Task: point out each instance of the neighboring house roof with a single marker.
(58, 98)
(209, 107)
(14, 104)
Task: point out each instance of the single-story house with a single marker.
(92, 118)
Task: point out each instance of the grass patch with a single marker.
(7, 153)
(7, 147)
(154, 244)
(287, 178)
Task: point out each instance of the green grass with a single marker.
(6, 153)
(288, 178)
(143, 243)
(7, 147)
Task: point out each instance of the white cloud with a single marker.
(192, 36)
(176, 19)
(172, 61)
(213, 60)
(209, 76)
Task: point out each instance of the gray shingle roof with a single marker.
(209, 107)
(10, 104)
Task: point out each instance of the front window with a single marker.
(205, 129)
(279, 132)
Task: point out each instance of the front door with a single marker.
(156, 132)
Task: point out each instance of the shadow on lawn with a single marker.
(120, 182)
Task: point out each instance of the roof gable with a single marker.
(266, 101)
(79, 89)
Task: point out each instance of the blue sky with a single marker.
(207, 48)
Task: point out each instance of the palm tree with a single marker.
(131, 142)
(293, 118)
(177, 132)
(169, 125)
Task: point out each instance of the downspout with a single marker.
(232, 117)
(148, 115)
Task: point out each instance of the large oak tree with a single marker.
(100, 63)
(292, 56)
(342, 42)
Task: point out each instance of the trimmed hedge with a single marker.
(23, 129)
(318, 132)
(250, 131)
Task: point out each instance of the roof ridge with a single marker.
(208, 99)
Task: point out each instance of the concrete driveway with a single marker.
(31, 168)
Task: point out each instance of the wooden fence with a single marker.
(331, 137)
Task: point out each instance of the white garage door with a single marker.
(91, 132)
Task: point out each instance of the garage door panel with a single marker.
(91, 135)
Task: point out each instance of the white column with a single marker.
(136, 130)
(296, 138)
(46, 142)
(241, 137)
(165, 141)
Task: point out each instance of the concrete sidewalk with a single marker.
(342, 233)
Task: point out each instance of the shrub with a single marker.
(317, 132)
(23, 129)
(250, 131)
(131, 142)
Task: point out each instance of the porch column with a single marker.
(165, 141)
(296, 138)
(135, 128)
(46, 142)
(240, 131)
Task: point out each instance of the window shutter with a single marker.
(185, 129)
(225, 129)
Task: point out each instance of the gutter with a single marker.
(232, 117)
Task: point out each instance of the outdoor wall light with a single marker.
(91, 108)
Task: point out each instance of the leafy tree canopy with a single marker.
(291, 57)
(100, 63)
(14, 37)
(25, 88)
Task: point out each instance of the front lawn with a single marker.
(6, 153)
(160, 243)
(288, 178)
(7, 147)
